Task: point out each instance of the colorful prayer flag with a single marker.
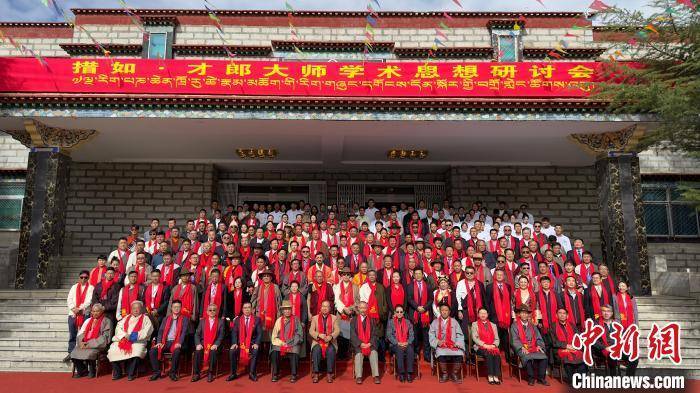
(447, 16)
(457, 2)
(650, 27)
(598, 5)
(439, 33)
(371, 21)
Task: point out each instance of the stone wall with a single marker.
(13, 155)
(680, 257)
(567, 195)
(104, 199)
(657, 161)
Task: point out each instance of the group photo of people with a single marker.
(285, 291)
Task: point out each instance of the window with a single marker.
(666, 214)
(157, 45)
(507, 44)
(11, 196)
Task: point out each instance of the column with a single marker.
(42, 224)
(623, 234)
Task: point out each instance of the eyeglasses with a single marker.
(398, 312)
(83, 277)
(469, 273)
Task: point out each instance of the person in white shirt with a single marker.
(79, 299)
(422, 211)
(276, 214)
(370, 210)
(562, 239)
(547, 228)
(402, 212)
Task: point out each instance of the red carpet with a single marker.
(62, 382)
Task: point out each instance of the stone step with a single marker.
(665, 300)
(39, 334)
(23, 326)
(671, 315)
(48, 365)
(645, 324)
(55, 354)
(32, 343)
(61, 301)
(35, 308)
(29, 317)
(33, 294)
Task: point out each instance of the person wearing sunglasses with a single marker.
(399, 335)
(79, 298)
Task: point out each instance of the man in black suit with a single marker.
(171, 339)
(246, 336)
(207, 340)
(419, 296)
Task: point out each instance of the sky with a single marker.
(35, 11)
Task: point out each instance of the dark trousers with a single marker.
(199, 358)
(405, 359)
(72, 333)
(613, 366)
(343, 348)
(381, 348)
(155, 362)
(536, 368)
(421, 337)
(131, 365)
(493, 362)
(571, 369)
(548, 346)
(503, 339)
(317, 357)
(275, 362)
(235, 354)
(83, 367)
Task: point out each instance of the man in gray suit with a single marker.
(527, 343)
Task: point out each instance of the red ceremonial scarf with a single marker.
(128, 296)
(295, 299)
(419, 297)
(140, 274)
(237, 301)
(92, 330)
(97, 274)
(167, 272)
(122, 265)
(569, 309)
(543, 309)
(531, 345)
(595, 300)
(372, 304)
(473, 302)
(364, 332)
(502, 305)
(486, 335)
(347, 297)
(321, 290)
(566, 335)
(125, 344)
(325, 329)
(186, 297)
(401, 328)
(245, 336)
(268, 309)
(440, 295)
(217, 296)
(231, 273)
(106, 285)
(148, 297)
(285, 337)
(626, 312)
(397, 294)
(210, 333)
(518, 297)
(80, 294)
(448, 342)
(178, 331)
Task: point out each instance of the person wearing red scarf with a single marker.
(471, 296)
(156, 297)
(131, 337)
(443, 294)
(207, 340)
(92, 339)
(364, 333)
(625, 305)
(562, 336)
(604, 346)
(246, 338)
(106, 292)
(286, 339)
(170, 339)
(384, 273)
(420, 298)
(266, 300)
(528, 345)
(130, 293)
(79, 298)
(346, 299)
(320, 291)
(485, 338)
(572, 301)
(215, 293)
(294, 274)
(236, 298)
(595, 296)
(98, 272)
(187, 294)
(396, 292)
(169, 272)
(374, 294)
(399, 335)
(498, 295)
(324, 330)
(447, 340)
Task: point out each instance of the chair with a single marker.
(335, 365)
(168, 357)
(514, 361)
(392, 370)
(559, 366)
(101, 358)
(352, 357)
(218, 361)
(434, 363)
(478, 360)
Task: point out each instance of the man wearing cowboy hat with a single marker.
(347, 296)
(286, 339)
(187, 294)
(527, 343)
(266, 301)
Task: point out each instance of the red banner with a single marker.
(299, 78)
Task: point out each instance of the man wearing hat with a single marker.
(234, 269)
(187, 294)
(286, 339)
(347, 296)
(436, 265)
(527, 343)
(266, 300)
(375, 259)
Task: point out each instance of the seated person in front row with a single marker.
(207, 340)
(447, 341)
(604, 345)
(485, 337)
(129, 342)
(92, 339)
(324, 331)
(527, 343)
(363, 339)
(399, 335)
(246, 336)
(286, 339)
(562, 336)
(171, 338)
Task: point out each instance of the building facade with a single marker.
(93, 164)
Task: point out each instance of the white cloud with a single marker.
(34, 10)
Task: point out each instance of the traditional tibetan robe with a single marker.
(450, 333)
(123, 347)
(96, 334)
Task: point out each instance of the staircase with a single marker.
(34, 331)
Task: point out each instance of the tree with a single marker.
(665, 42)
